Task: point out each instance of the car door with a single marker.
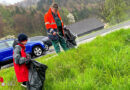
(9, 43)
(28, 48)
(5, 52)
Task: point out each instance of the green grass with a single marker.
(103, 64)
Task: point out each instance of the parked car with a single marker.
(44, 39)
(35, 48)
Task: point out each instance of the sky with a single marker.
(9, 1)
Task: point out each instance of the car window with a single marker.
(36, 38)
(3, 45)
(10, 43)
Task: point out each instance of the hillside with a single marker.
(69, 3)
(102, 64)
(27, 3)
(28, 16)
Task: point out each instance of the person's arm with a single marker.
(48, 24)
(17, 56)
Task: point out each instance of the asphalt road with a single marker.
(105, 31)
(89, 37)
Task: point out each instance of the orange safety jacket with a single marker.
(50, 21)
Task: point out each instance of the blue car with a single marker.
(35, 48)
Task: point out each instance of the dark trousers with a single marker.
(60, 41)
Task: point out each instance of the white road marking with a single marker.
(90, 39)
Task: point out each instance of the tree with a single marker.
(64, 12)
(1, 27)
(71, 18)
(114, 11)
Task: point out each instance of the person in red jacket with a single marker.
(54, 26)
(21, 59)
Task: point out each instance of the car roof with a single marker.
(38, 37)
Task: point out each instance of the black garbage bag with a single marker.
(70, 38)
(36, 75)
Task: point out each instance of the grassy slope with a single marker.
(101, 64)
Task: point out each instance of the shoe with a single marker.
(24, 84)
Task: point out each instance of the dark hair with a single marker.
(22, 37)
(55, 5)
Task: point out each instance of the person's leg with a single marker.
(56, 45)
(63, 44)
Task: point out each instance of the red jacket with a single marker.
(50, 21)
(21, 70)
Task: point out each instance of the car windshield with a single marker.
(37, 38)
(10, 43)
(3, 45)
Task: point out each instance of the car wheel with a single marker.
(37, 51)
(46, 47)
(0, 66)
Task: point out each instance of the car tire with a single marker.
(37, 51)
(0, 66)
(46, 47)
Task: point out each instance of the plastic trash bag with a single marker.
(36, 75)
(70, 38)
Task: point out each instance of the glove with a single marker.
(27, 61)
(28, 58)
(52, 31)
